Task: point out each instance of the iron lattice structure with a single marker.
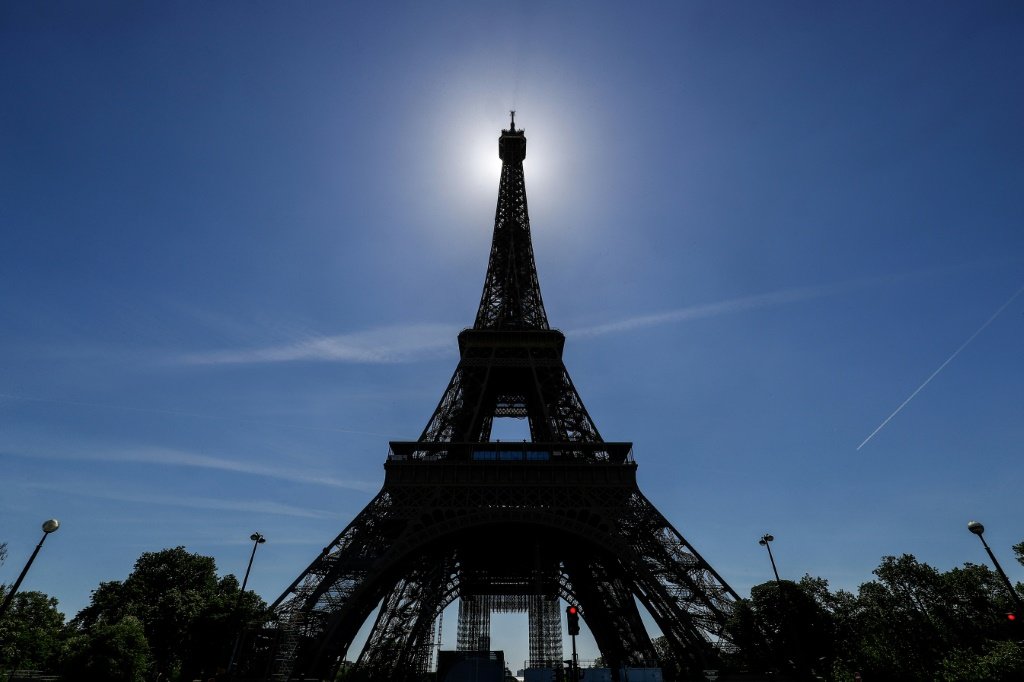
(474, 632)
(453, 503)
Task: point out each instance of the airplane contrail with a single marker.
(942, 366)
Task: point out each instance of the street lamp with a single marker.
(257, 540)
(49, 526)
(978, 529)
(765, 542)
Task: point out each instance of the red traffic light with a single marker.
(572, 611)
(572, 619)
(1011, 616)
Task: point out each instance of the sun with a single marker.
(463, 165)
(469, 167)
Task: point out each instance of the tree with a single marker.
(913, 622)
(895, 622)
(186, 611)
(743, 630)
(997, 662)
(666, 657)
(30, 631)
(114, 652)
(917, 623)
(783, 626)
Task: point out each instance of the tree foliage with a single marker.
(187, 613)
(787, 626)
(114, 652)
(997, 661)
(913, 622)
(910, 620)
(30, 631)
(174, 616)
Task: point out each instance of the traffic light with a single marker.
(1015, 625)
(572, 618)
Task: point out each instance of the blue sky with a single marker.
(239, 240)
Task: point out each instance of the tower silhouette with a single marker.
(501, 526)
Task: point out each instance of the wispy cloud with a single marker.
(409, 343)
(181, 413)
(727, 307)
(942, 366)
(247, 506)
(180, 458)
(392, 344)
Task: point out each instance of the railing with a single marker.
(510, 451)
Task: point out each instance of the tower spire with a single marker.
(511, 297)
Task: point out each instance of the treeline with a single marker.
(172, 619)
(912, 623)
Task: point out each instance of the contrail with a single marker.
(942, 366)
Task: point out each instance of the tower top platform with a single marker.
(512, 143)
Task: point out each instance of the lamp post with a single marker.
(257, 540)
(49, 526)
(978, 529)
(765, 542)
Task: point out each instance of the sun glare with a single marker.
(473, 169)
(466, 168)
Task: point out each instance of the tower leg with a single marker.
(398, 646)
(611, 613)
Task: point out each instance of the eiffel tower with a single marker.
(502, 526)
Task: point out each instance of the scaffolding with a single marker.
(545, 624)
